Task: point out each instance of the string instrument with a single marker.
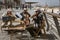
(26, 19)
(34, 15)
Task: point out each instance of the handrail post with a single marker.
(56, 23)
(46, 21)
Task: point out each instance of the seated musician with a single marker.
(25, 17)
(8, 17)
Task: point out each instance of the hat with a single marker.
(25, 8)
(37, 8)
(9, 9)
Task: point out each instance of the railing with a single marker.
(53, 23)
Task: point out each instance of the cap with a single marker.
(9, 10)
(25, 8)
(37, 8)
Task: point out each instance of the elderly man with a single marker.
(8, 17)
(25, 17)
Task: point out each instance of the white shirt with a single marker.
(18, 14)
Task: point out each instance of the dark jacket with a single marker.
(22, 14)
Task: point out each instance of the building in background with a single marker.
(20, 3)
(12, 3)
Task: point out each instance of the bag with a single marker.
(5, 19)
(8, 18)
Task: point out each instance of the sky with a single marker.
(48, 2)
(44, 2)
(32, 0)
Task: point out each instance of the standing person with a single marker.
(36, 17)
(34, 30)
(39, 20)
(25, 17)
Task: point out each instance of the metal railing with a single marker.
(53, 23)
